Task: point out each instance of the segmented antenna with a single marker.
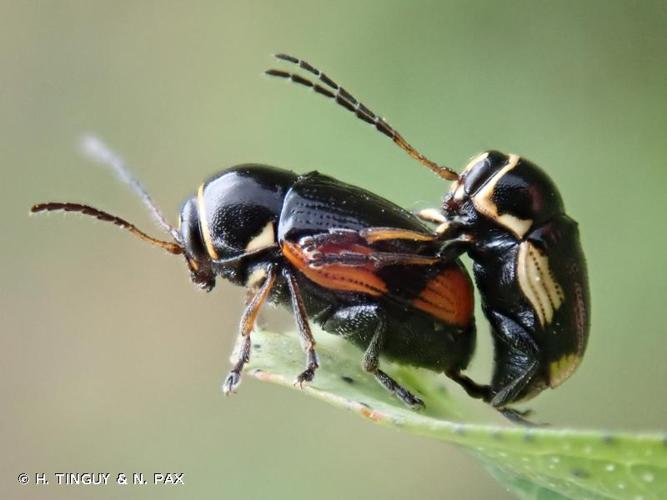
(348, 101)
(98, 151)
(169, 246)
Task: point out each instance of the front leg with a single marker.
(306, 335)
(247, 325)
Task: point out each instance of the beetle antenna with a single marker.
(342, 97)
(98, 151)
(53, 206)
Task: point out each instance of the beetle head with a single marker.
(198, 259)
(507, 190)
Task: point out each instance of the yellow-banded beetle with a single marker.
(299, 241)
(508, 215)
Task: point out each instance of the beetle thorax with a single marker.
(507, 191)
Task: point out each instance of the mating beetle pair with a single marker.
(382, 277)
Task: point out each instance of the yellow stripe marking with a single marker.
(537, 282)
(484, 203)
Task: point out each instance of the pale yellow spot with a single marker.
(561, 369)
(203, 221)
(264, 239)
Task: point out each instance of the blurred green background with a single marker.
(112, 360)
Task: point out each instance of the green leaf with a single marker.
(536, 463)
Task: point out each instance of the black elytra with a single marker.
(298, 241)
(508, 216)
(529, 268)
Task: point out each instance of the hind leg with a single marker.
(517, 361)
(485, 393)
(517, 366)
(368, 324)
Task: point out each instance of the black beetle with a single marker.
(299, 241)
(508, 215)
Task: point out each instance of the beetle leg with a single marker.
(517, 364)
(371, 363)
(365, 326)
(375, 234)
(433, 215)
(356, 253)
(377, 259)
(349, 248)
(509, 393)
(307, 339)
(453, 244)
(484, 392)
(517, 355)
(450, 251)
(247, 325)
(472, 388)
(519, 417)
(453, 248)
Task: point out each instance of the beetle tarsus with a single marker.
(472, 388)
(520, 417)
(484, 392)
(305, 377)
(398, 390)
(231, 382)
(308, 374)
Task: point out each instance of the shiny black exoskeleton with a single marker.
(298, 241)
(508, 215)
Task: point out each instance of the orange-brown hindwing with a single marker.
(448, 296)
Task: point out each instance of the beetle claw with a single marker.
(304, 377)
(231, 383)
